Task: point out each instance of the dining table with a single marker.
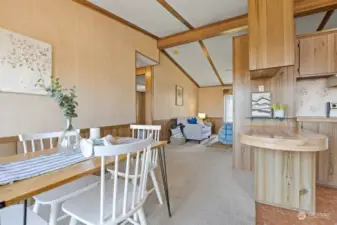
(19, 191)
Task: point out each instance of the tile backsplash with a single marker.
(312, 96)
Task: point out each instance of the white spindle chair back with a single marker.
(143, 131)
(137, 189)
(32, 138)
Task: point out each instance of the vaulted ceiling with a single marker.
(209, 62)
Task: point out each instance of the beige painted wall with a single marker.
(211, 101)
(166, 77)
(91, 51)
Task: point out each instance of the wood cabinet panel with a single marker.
(318, 55)
(285, 179)
(326, 169)
(282, 86)
(271, 33)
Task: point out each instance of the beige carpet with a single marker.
(203, 189)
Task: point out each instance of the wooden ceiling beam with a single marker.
(301, 8)
(204, 32)
(171, 10)
(204, 49)
(325, 19)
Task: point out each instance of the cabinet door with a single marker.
(318, 55)
(271, 34)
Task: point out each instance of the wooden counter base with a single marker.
(285, 165)
(285, 179)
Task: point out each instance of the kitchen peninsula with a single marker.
(285, 162)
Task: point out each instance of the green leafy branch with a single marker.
(278, 107)
(63, 96)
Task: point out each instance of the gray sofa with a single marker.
(199, 131)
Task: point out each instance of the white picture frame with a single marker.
(23, 61)
(261, 104)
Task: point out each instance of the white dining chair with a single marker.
(116, 201)
(13, 215)
(56, 196)
(142, 132)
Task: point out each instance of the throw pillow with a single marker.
(192, 120)
(177, 132)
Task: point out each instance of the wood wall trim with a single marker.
(114, 17)
(140, 71)
(301, 8)
(325, 20)
(10, 139)
(5, 140)
(182, 70)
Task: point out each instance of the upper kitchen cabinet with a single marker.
(271, 33)
(318, 54)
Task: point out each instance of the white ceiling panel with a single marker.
(142, 61)
(202, 12)
(332, 22)
(192, 59)
(308, 24)
(147, 14)
(221, 52)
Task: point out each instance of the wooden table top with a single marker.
(283, 138)
(21, 190)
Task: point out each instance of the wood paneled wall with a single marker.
(140, 107)
(165, 127)
(282, 87)
(217, 123)
(12, 146)
(242, 155)
(326, 160)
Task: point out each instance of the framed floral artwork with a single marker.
(23, 61)
(179, 96)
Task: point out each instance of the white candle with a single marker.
(95, 133)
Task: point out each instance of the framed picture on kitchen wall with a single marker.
(179, 96)
(261, 104)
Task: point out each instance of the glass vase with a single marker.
(69, 139)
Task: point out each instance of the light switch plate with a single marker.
(261, 88)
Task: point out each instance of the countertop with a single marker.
(283, 138)
(321, 119)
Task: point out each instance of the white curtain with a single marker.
(228, 108)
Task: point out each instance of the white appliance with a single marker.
(331, 109)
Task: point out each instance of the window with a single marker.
(228, 108)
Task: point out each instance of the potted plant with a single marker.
(278, 110)
(66, 99)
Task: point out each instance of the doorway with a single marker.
(140, 99)
(144, 89)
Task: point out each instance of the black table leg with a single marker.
(162, 161)
(25, 213)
